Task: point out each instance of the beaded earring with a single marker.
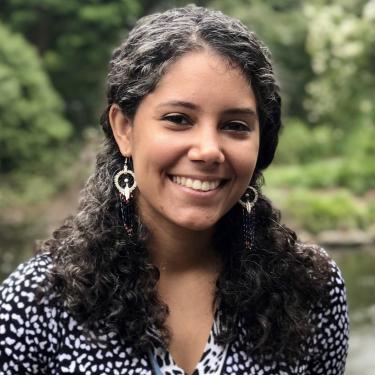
(248, 201)
(125, 184)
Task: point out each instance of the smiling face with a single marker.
(194, 141)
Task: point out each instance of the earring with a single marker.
(248, 201)
(126, 176)
(245, 200)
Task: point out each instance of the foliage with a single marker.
(360, 143)
(315, 149)
(315, 211)
(32, 125)
(17, 243)
(320, 174)
(323, 50)
(324, 53)
(75, 39)
(300, 143)
(341, 43)
(284, 30)
(357, 175)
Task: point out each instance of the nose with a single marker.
(207, 148)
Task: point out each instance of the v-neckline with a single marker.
(211, 360)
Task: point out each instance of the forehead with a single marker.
(205, 75)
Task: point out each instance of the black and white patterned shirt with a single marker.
(41, 338)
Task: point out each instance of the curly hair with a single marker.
(106, 279)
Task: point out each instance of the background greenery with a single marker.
(53, 61)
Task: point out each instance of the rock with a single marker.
(352, 237)
(305, 236)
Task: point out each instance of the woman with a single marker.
(175, 262)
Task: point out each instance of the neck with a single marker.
(179, 249)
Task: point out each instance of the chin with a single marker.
(197, 225)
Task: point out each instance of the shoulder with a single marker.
(39, 336)
(31, 272)
(335, 284)
(335, 279)
(26, 321)
(23, 283)
(330, 321)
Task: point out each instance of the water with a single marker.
(357, 266)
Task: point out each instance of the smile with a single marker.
(194, 184)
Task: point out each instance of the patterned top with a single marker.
(41, 338)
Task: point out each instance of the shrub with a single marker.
(34, 132)
(316, 212)
(32, 121)
(356, 173)
(320, 174)
(300, 143)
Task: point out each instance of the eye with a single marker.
(236, 126)
(177, 118)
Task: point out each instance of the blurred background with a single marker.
(53, 61)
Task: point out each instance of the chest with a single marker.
(76, 355)
(235, 363)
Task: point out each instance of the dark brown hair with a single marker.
(107, 281)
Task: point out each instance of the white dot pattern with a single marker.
(43, 338)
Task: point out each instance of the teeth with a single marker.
(205, 186)
(196, 184)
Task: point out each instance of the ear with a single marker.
(122, 129)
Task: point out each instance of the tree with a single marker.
(281, 25)
(324, 53)
(74, 39)
(341, 43)
(32, 122)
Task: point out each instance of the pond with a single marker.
(357, 265)
(358, 268)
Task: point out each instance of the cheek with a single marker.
(156, 152)
(244, 162)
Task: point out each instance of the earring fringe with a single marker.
(126, 177)
(248, 217)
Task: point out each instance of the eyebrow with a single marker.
(189, 105)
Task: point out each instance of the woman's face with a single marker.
(194, 142)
